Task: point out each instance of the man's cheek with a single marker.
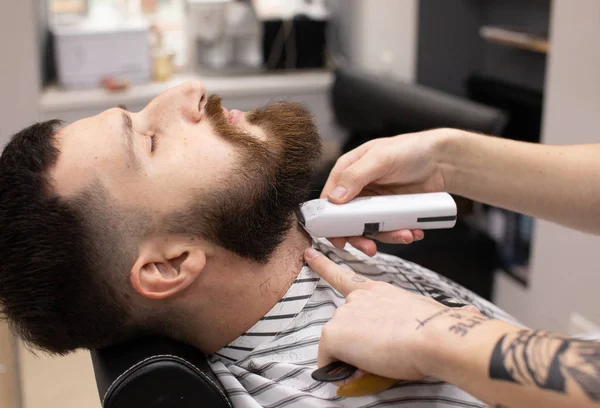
(257, 132)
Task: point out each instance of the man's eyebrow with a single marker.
(128, 135)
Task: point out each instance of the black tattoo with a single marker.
(466, 323)
(358, 278)
(433, 316)
(548, 361)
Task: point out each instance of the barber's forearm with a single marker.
(556, 183)
(506, 366)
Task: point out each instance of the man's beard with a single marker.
(253, 208)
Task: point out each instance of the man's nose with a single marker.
(187, 99)
(203, 98)
(194, 99)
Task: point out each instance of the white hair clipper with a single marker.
(370, 215)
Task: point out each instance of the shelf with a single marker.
(55, 99)
(515, 39)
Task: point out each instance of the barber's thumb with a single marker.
(353, 180)
(349, 185)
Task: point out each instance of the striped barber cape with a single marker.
(271, 364)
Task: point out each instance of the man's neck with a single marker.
(237, 293)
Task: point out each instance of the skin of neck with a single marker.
(232, 293)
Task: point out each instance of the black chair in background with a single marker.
(370, 107)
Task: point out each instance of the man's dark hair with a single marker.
(55, 287)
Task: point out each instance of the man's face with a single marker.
(181, 154)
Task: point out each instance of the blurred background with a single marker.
(520, 69)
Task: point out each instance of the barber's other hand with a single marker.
(377, 329)
(401, 164)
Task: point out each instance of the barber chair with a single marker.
(155, 372)
(158, 372)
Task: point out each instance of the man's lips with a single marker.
(233, 116)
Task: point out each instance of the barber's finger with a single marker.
(418, 234)
(399, 236)
(338, 242)
(342, 279)
(355, 177)
(365, 245)
(342, 164)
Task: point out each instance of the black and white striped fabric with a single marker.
(271, 364)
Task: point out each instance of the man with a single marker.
(180, 220)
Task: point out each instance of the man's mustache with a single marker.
(214, 108)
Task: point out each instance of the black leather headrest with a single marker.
(156, 372)
(367, 103)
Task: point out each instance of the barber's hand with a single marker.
(395, 165)
(378, 329)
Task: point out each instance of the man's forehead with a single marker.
(84, 150)
(79, 127)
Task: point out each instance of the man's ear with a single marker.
(166, 265)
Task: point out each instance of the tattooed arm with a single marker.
(385, 330)
(507, 366)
